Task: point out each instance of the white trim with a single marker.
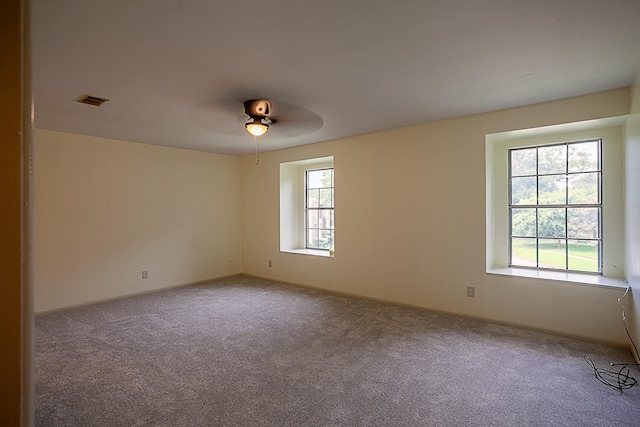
(314, 252)
(560, 276)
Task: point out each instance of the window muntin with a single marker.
(555, 206)
(319, 212)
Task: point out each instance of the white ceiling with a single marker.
(176, 72)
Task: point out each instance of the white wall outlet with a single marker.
(145, 274)
(471, 291)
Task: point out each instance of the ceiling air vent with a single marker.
(96, 101)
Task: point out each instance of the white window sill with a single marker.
(312, 252)
(583, 279)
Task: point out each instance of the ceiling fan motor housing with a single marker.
(258, 108)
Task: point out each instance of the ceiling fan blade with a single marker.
(226, 116)
(209, 115)
(290, 120)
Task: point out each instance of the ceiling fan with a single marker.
(260, 118)
(259, 111)
(226, 115)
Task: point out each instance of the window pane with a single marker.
(583, 223)
(551, 222)
(312, 238)
(552, 253)
(552, 159)
(312, 218)
(326, 239)
(325, 218)
(326, 198)
(328, 177)
(584, 188)
(523, 191)
(315, 178)
(552, 190)
(523, 252)
(523, 162)
(523, 222)
(584, 256)
(313, 198)
(583, 157)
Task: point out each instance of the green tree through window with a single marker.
(555, 206)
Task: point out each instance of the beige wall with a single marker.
(410, 223)
(632, 210)
(105, 210)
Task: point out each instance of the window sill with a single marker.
(582, 279)
(312, 252)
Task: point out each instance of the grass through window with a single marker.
(580, 256)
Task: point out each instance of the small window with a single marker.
(307, 219)
(319, 209)
(555, 206)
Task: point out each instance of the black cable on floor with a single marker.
(619, 379)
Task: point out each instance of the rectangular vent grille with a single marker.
(96, 101)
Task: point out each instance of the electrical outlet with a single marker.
(145, 274)
(270, 263)
(471, 291)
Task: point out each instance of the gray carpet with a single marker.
(247, 352)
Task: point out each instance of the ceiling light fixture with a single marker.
(256, 127)
(258, 111)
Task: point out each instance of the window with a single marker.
(319, 209)
(307, 219)
(555, 206)
(535, 179)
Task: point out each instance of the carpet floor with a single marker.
(249, 352)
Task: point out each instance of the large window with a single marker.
(319, 209)
(555, 206)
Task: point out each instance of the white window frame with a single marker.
(292, 205)
(307, 208)
(564, 206)
(610, 130)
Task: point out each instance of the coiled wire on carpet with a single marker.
(618, 379)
